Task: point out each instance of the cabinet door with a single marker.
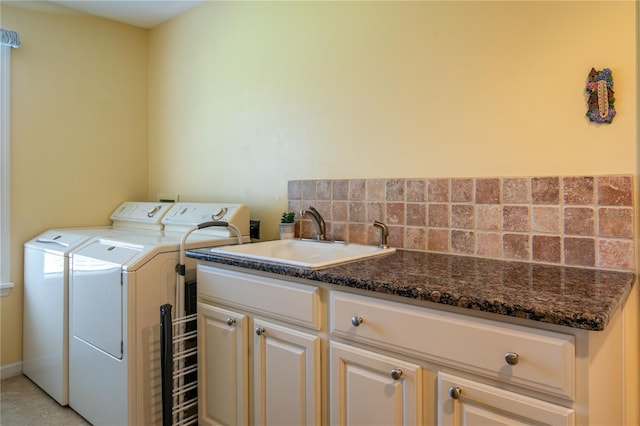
(286, 368)
(223, 366)
(466, 402)
(372, 389)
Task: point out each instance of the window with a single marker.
(10, 39)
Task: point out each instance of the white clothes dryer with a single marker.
(117, 285)
(45, 351)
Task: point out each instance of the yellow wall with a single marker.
(78, 131)
(244, 96)
(247, 95)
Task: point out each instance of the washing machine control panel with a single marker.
(140, 211)
(185, 215)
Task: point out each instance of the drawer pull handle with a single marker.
(356, 321)
(511, 358)
(396, 373)
(260, 331)
(455, 392)
(230, 321)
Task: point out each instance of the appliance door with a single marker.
(45, 357)
(44, 338)
(97, 304)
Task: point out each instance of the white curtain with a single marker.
(10, 39)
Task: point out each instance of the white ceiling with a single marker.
(139, 13)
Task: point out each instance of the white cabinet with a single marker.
(286, 376)
(281, 352)
(223, 366)
(368, 388)
(539, 360)
(468, 403)
(259, 350)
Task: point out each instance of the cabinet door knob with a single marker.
(455, 392)
(356, 321)
(230, 321)
(396, 373)
(511, 358)
(260, 331)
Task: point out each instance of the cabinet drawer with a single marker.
(288, 301)
(545, 359)
(466, 402)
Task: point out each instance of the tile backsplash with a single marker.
(585, 221)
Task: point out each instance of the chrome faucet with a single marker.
(317, 220)
(384, 233)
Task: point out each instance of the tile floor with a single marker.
(24, 403)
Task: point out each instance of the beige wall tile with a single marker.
(572, 220)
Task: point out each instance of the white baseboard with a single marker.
(10, 370)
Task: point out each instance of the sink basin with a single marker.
(309, 254)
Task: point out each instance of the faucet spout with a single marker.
(317, 220)
(384, 233)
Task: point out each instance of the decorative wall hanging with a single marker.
(600, 91)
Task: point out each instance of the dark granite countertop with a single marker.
(573, 297)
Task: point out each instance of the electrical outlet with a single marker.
(254, 229)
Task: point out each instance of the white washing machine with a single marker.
(45, 321)
(117, 285)
(46, 274)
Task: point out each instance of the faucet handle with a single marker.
(384, 233)
(382, 226)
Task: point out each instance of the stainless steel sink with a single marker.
(309, 254)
